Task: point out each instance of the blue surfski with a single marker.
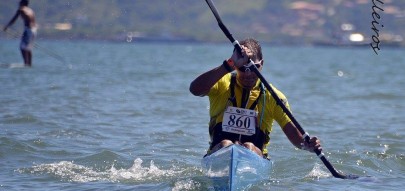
(236, 168)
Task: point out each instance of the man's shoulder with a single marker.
(221, 85)
(226, 78)
(26, 10)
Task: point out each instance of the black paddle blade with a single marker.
(338, 174)
(332, 169)
(344, 176)
(351, 176)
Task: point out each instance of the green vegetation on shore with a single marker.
(283, 22)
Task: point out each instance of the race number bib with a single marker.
(239, 121)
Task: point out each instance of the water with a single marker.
(119, 116)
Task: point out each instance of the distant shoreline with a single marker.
(191, 41)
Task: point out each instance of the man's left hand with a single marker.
(313, 144)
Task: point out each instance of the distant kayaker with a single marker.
(241, 110)
(27, 39)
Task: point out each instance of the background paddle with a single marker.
(49, 52)
(253, 68)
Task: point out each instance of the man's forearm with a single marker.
(203, 83)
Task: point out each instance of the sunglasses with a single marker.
(246, 69)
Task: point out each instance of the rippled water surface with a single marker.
(117, 116)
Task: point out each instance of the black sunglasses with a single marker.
(245, 69)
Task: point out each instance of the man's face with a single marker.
(248, 78)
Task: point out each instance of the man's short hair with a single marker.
(24, 2)
(254, 46)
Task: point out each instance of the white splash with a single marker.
(71, 172)
(186, 185)
(67, 170)
(317, 172)
(139, 173)
(217, 173)
(340, 73)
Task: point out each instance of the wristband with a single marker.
(228, 64)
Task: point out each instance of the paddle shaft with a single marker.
(253, 68)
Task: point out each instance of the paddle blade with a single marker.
(352, 176)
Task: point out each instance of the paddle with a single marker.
(253, 68)
(49, 52)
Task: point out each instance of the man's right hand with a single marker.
(240, 60)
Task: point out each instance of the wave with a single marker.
(71, 172)
(10, 147)
(21, 119)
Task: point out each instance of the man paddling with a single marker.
(242, 111)
(27, 40)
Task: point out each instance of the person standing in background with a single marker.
(30, 31)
